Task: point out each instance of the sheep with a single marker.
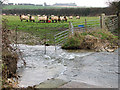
(38, 15)
(77, 17)
(28, 14)
(43, 15)
(52, 15)
(23, 17)
(31, 18)
(45, 18)
(55, 18)
(70, 17)
(3, 14)
(63, 18)
(66, 18)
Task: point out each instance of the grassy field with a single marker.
(44, 30)
(32, 7)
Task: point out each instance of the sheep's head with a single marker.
(50, 18)
(30, 17)
(20, 15)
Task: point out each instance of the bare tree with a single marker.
(114, 5)
(3, 1)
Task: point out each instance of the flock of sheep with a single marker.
(47, 19)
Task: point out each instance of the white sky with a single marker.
(87, 3)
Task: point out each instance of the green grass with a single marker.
(32, 7)
(76, 41)
(43, 30)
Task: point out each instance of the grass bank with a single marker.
(91, 40)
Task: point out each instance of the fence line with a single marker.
(110, 22)
(82, 26)
(61, 37)
(86, 25)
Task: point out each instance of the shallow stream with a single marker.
(94, 68)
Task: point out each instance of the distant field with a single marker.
(40, 29)
(31, 7)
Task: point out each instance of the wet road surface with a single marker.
(93, 69)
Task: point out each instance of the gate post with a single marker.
(71, 28)
(102, 21)
(16, 34)
(118, 15)
(85, 25)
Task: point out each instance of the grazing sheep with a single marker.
(23, 17)
(77, 17)
(66, 18)
(63, 18)
(38, 15)
(70, 17)
(28, 14)
(52, 15)
(45, 18)
(3, 14)
(43, 15)
(31, 18)
(55, 18)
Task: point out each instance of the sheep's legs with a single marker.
(33, 20)
(55, 21)
(39, 21)
(46, 21)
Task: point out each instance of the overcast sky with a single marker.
(87, 3)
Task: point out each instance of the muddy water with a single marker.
(94, 68)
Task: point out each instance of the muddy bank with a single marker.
(9, 54)
(94, 69)
(9, 57)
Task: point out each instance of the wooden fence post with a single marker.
(118, 14)
(16, 36)
(69, 25)
(55, 42)
(102, 21)
(85, 25)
